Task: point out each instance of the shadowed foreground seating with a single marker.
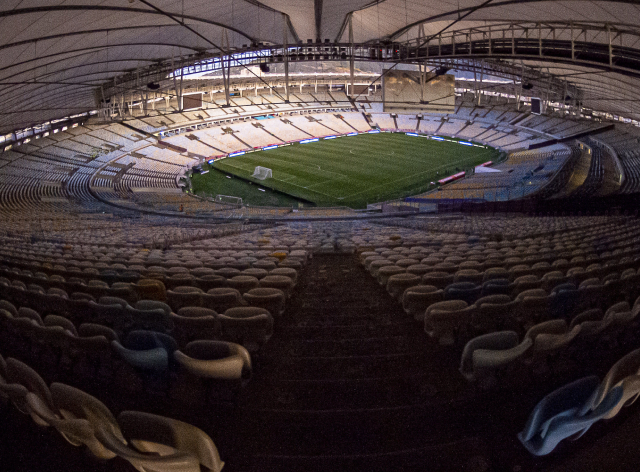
(76, 431)
(157, 434)
(20, 373)
(561, 414)
(12, 391)
(74, 404)
(4, 398)
(150, 444)
(624, 374)
(76, 415)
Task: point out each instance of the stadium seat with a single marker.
(146, 350)
(444, 320)
(398, 283)
(184, 296)
(623, 374)
(192, 323)
(215, 360)
(222, 298)
(271, 299)
(561, 415)
(418, 298)
(484, 355)
(280, 282)
(18, 373)
(249, 326)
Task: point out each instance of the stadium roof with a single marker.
(56, 52)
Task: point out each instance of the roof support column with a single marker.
(480, 85)
(351, 61)
(545, 104)
(177, 86)
(573, 45)
(105, 106)
(225, 74)
(610, 45)
(421, 66)
(539, 40)
(285, 50)
(422, 72)
(519, 89)
(475, 86)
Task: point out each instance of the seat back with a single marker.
(628, 366)
(572, 395)
(492, 341)
(145, 430)
(20, 373)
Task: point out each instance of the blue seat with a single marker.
(497, 287)
(565, 301)
(562, 414)
(467, 291)
(146, 350)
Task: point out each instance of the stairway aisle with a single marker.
(350, 382)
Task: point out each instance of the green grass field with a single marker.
(217, 183)
(351, 171)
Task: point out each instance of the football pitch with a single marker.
(347, 171)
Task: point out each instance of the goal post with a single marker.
(262, 173)
(228, 199)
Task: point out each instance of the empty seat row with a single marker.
(146, 441)
(141, 359)
(489, 355)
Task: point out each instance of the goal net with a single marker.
(262, 173)
(229, 199)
